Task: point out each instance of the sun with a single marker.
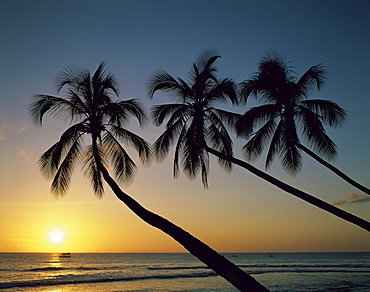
(56, 236)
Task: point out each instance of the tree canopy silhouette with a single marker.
(95, 117)
(199, 128)
(89, 104)
(194, 121)
(287, 114)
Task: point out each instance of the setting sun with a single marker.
(56, 236)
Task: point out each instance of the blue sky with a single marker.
(135, 38)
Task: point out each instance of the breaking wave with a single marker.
(56, 281)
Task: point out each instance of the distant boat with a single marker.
(65, 255)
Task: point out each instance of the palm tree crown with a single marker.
(92, 112)
(193, 120)
(287, 114)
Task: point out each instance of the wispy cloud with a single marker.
(9, 128)
(25, 154)
(4, 128)
(352, 198)
(22, 129)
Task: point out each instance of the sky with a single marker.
(238, 212)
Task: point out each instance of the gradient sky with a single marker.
(239, 212)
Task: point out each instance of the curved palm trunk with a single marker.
(334, 169)
(295, 192)
(203, 252)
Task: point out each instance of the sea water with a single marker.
(84, 272)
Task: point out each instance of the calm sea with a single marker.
(84, 272)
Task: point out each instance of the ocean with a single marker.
(86, 272)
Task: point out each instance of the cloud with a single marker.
(363, 199)
(352, 198)
(25, 154)
(4, 128)
(22, 129)
(8, 128)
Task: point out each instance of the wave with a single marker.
(45, 269)
(50, 282)
(68, 276)
(272, 266)
(62, 280)
(305, 267)
(350, 266)
(178, 268)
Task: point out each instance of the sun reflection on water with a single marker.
(55, 261)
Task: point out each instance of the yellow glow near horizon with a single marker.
(56, 236)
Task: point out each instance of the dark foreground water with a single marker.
(181, 272)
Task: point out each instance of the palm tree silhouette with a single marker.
(286, 113)
(97, 117)
(194, 121)
(196, 124)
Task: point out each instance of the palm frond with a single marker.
(118, 113)
(324, 146)
(193, 157)
(174, 111)
(260, 87)
(112, 114)
(178, 148)
(109, 83)
(204, 64)
(220, 139)
(328, 111)
(62, 178)
(291, 159)
(47, 103)
(98, 77)
(217, 132)
(271, 81)
(161, 80)
(131, 139)
(226, 117)
(313, 131)
(193, 145)
(255, 146)
(71, 76)
(205, 167)
(77, 107)
(275, 67)
(50, 160)
(221, 92)
(103, 83)
(274, 146)
(255, 118)
(311, 79)
(162, 145)
(91, 169)
(124, 167)
(247, 88)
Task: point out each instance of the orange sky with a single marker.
(238, 213)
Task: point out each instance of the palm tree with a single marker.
(194, 121)
(95, 117)
(286, 113)
(199, 128)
